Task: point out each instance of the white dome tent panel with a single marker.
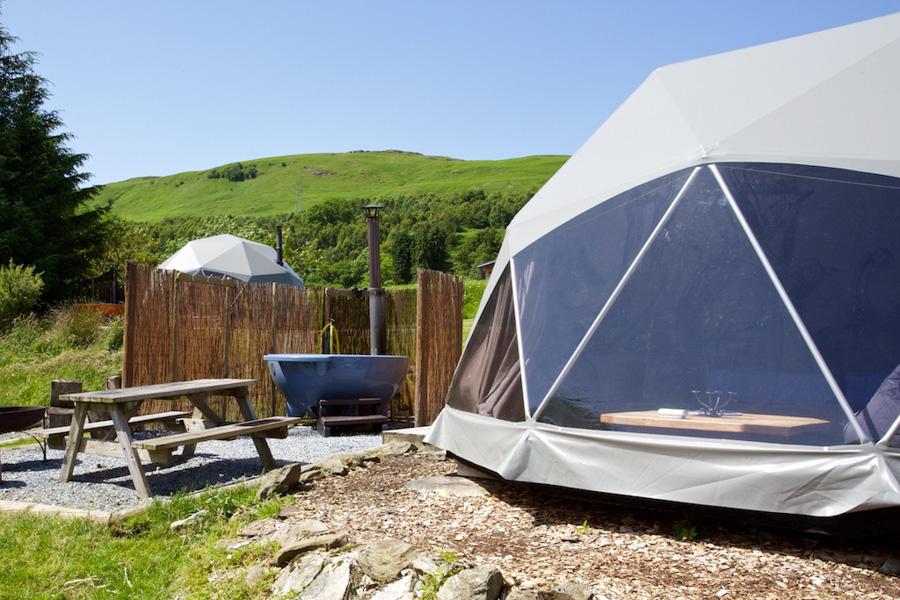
(831, 237)
(781, 478)
(600, 243)
(488, 380)
(699, 326)
(838, 86)
(729, 234)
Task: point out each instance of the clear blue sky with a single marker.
(151, 88)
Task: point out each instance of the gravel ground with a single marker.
(538, 538)
(103, 483)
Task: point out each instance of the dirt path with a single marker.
(536, 536)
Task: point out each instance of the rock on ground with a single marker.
(255, 574)
(401, 589)
(520, 594)
(572, 591)
(483, 582)
(280, 481)
(334, 466)
(325, 541)
(298, 576)
(333, 582)
(260, 528)
(385, 559)
(291, 532)
(187, 521)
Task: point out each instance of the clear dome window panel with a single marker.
(564, 279)
(833, 238)
(700, 344)
(488, 379)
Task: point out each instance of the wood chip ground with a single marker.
(538, 538)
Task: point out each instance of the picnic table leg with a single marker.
(202, 410)
(243, 400)
(123, 433)
(73, 443)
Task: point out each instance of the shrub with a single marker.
(115, 334)
(20, 288)
(235, 173)
(76, 328)
(473, 291)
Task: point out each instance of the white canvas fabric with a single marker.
(825, 99)
(822, 482)
(233, 256)
(733, 222)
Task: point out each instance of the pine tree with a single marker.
(45, 219)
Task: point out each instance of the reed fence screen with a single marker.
(439, 341)
(180, 327)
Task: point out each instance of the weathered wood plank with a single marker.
(262, 447)
(58, 390)
(114, 450)
(218, 433)
(123, 433)
(163, 390)
(202, 406)
(140, 420)
(77, 428)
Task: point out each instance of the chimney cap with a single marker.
(372, 210)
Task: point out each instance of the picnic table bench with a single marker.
(202, 424)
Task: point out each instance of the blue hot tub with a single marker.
(307, 378)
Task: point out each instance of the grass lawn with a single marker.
(62, 345)
(139, 558)
(284, 182)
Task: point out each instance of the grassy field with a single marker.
(61, 345)
(140, 558)
(319, 177)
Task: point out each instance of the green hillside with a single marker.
(270, 185)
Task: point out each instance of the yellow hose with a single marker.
(334, 346)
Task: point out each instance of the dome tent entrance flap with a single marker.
(725, 332)
(234, 257)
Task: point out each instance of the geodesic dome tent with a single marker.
(703, 304)
(232, 256)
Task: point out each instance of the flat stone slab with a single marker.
(413, 435)
(447, 484)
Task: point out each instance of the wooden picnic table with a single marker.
(121, 402)
(745, 423)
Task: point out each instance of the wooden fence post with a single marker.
(438, 340)
(128, 326)
(60, 411)
(272, 346)
(175, 325)
(227, 341)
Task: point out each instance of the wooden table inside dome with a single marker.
(121, 402)
(746, 423)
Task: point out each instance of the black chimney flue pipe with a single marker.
(279, 247)
(376, 292)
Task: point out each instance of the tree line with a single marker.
(326, 243)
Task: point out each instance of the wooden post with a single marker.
(59, 413)
(262, 448)
(114, 382)
(438, 340)
(227, 350)
(174, 376)
(272, 345)
(131, 305)
(423, 346)
(123, 433)
(73, 442)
